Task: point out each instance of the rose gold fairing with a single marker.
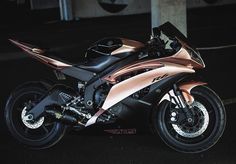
(127, 87)
(182, 57)
(178, 63)
(37, 54)
(128, 46)
(186, 90)
(150, 64)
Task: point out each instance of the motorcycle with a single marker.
(118, 76)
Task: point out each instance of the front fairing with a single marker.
(173, 33)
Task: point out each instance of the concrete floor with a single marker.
(125, 149)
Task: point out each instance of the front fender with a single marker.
(186, 89)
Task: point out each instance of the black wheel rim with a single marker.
(30, 98)
(186, 140)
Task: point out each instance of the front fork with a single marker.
(183, 98)
(183, 104)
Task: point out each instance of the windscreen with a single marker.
(172, 32)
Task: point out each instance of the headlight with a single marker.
(195, 55)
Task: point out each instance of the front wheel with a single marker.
(36, 134)
(209, 122)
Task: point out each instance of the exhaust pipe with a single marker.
(67, 119)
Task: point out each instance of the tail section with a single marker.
(39, 54)
(27, 47)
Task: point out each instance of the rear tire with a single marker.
(37, 134)
(183, 139)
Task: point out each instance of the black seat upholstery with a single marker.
(98, 64)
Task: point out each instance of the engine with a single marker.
(71, 106)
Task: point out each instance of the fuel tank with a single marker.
(117, 47)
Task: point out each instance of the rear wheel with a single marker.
(201, 134)
(37, 134)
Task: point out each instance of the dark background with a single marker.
(207, 27)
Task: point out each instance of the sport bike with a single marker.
(118, 76)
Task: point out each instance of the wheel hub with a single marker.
(28, 121)
(196, 126)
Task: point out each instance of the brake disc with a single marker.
(202, 122)
(28, 120)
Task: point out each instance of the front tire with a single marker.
(35, 134)
(210, 121)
